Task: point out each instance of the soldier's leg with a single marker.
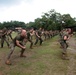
(11, 37)
(36, 41)
(40, 41)
(45, 36)
(31, 43)
(2, 42)
(12, 47)
(64, 52)
(62, 44)
(7, 41)
(67, 45)
(22, 51)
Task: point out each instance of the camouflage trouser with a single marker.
(31, 43)
(38, 39)
(64, 46)
(12, 48)
(64, 50)
(2, 41)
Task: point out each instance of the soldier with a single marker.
(29, 37)
(64, 37)
(3, 37)
(17, 41)
(38, 34)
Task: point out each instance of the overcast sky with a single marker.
(28, 10)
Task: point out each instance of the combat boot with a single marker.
(8, 62)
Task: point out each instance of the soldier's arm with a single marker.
(19, 45)
(37, 35)
(4, 33)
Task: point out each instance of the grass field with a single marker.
(42, 60)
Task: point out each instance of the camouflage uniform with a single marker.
(64, 44)
(3, 37)
(29, 39)
(13, 44)
(38, 34)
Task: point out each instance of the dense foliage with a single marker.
(51, 20)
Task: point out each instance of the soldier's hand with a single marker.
(38, 36)
(24, 47)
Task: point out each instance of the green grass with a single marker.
(42, 60)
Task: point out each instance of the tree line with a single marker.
(50, 20)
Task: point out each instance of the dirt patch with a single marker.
(72, 62)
